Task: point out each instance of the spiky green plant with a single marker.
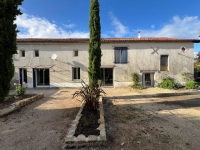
(90, 95)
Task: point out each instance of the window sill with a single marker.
(76, 80)
(121, 63)
(164, 70)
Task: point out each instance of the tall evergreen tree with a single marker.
(94, 43)
(8, 32)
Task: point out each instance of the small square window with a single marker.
(36, 53)
(22, 53)
(76, 53)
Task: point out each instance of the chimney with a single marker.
(138, 34)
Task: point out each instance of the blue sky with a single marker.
(119, 18)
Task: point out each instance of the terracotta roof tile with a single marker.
(104, 40)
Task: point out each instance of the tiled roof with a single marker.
(104, 40)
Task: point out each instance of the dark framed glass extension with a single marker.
(41, 77)
(107, 76)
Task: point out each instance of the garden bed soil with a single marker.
(88, 123)
(13, 99)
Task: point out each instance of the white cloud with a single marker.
(119, 29)
(152, 26)
(71, 25)
(36, 27)
(187, 27)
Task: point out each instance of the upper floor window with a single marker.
(22, 53)
(36, 53)
(121, 55)
(75, 53)
(164, 63)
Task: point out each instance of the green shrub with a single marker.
(168, 83)
(191, 84)
(90, 95)
(19, 89)
(135, 79)
(138, 86)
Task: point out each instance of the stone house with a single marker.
(63, 62)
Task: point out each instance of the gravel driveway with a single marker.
(136, 119)
(153, 119)
(41, 125)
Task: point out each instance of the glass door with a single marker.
(107, 76)
(42, 77)
(148, 79)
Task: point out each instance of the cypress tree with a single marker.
(94, 43)
(8, 33)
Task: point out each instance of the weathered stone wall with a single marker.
(140, 57)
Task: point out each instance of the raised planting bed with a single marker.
(14, 103)
(87, 130)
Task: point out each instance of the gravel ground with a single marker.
(41, 125)
(150, 119)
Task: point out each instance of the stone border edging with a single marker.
(19, 104)
(71, 142)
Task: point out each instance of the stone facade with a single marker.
(143, 56)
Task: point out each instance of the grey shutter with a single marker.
(117, 55)
(124, 55)
(164, 60)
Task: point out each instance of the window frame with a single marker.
(74, 51)
(121, 49)
(35, 53)
(164, 55)
(22, 52)
(78, 73)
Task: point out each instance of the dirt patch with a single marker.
(88, 123)
(147, 120)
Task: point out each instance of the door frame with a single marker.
(21, 75)
(103, 79)
(151, 78)
(35, 78)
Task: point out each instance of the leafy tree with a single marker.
(8, 33)
(94, 43)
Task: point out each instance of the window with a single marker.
(75, 52)
(22, 53)
(36, 53)
(121, 55)
(164, 63)
(75, 73)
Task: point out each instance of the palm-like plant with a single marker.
(90, 95)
